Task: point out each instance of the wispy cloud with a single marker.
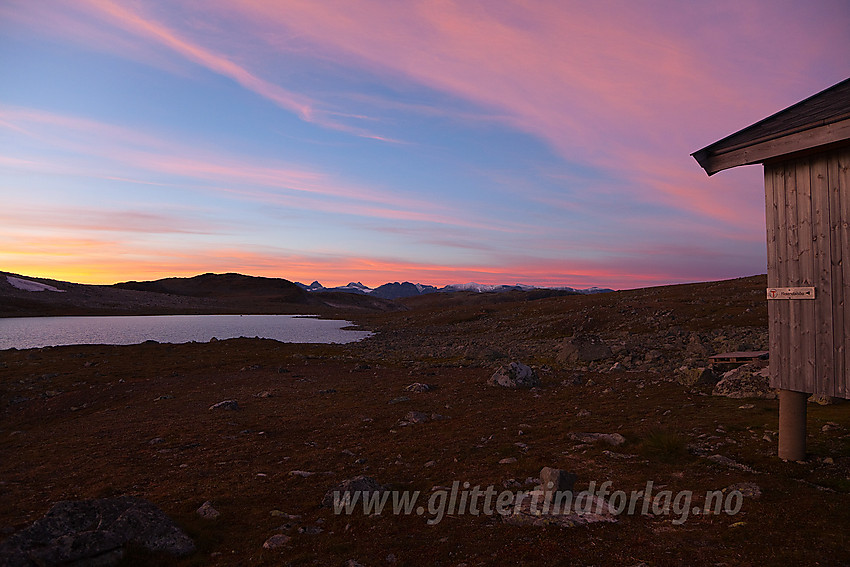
(148, 28)
(72, 220)
(272, 184)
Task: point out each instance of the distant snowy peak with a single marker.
(397, 290)
(471, 286)
(485, 288)
(27, 285)
(352, 287)
(360, 286)
(595, 290)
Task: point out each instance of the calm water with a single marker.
(32, 332)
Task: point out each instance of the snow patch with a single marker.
(28, 285)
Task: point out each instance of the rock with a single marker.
(610, 438)
(276, 541)
(418, 387)
(507, 461)
(696, 376)
(576, 379)
(352, 563)
(416, 417)
(747, 381)
(302, 474)
(584, 348)
(532, 510)
(653, 356)
(726, 461)
(232, 405)
(747, 489)
(695, 347)
(207, 511)
(95, 532)
(515, 375)
(310, 530)
(556, 480)
(365, 485)
(822, 399)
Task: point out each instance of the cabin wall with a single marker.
(808, 244)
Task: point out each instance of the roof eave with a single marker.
(830, 134)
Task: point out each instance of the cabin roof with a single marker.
(821, 120)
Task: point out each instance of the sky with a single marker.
(502, 142)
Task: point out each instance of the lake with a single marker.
(34, 332)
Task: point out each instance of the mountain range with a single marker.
(24, 296)
(397, 290)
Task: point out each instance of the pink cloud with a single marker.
(611, 87)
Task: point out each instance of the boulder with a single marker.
(747, 489)
(823, 400)
(207, 511)
(365, 485)
(95, 532)
(613, 439)
(747, 381)
(276, 541)
(515, 375)
(416, 417)
(418, 387)
(584, 348)
(232, 405)
(556, 480)
(696, 376)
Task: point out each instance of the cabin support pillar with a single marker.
(792, 425)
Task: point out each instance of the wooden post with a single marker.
(792, 425)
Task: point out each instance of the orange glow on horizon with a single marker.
(97, 265)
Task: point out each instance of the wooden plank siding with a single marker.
(773, 196)
(842, 159)
(805, 272)
(822, 244)
(838, 283)
(807, 205)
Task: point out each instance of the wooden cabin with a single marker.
(805, 150)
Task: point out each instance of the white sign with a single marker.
(790, 293)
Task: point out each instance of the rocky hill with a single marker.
(659, 328)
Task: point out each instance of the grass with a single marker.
(664, 445)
